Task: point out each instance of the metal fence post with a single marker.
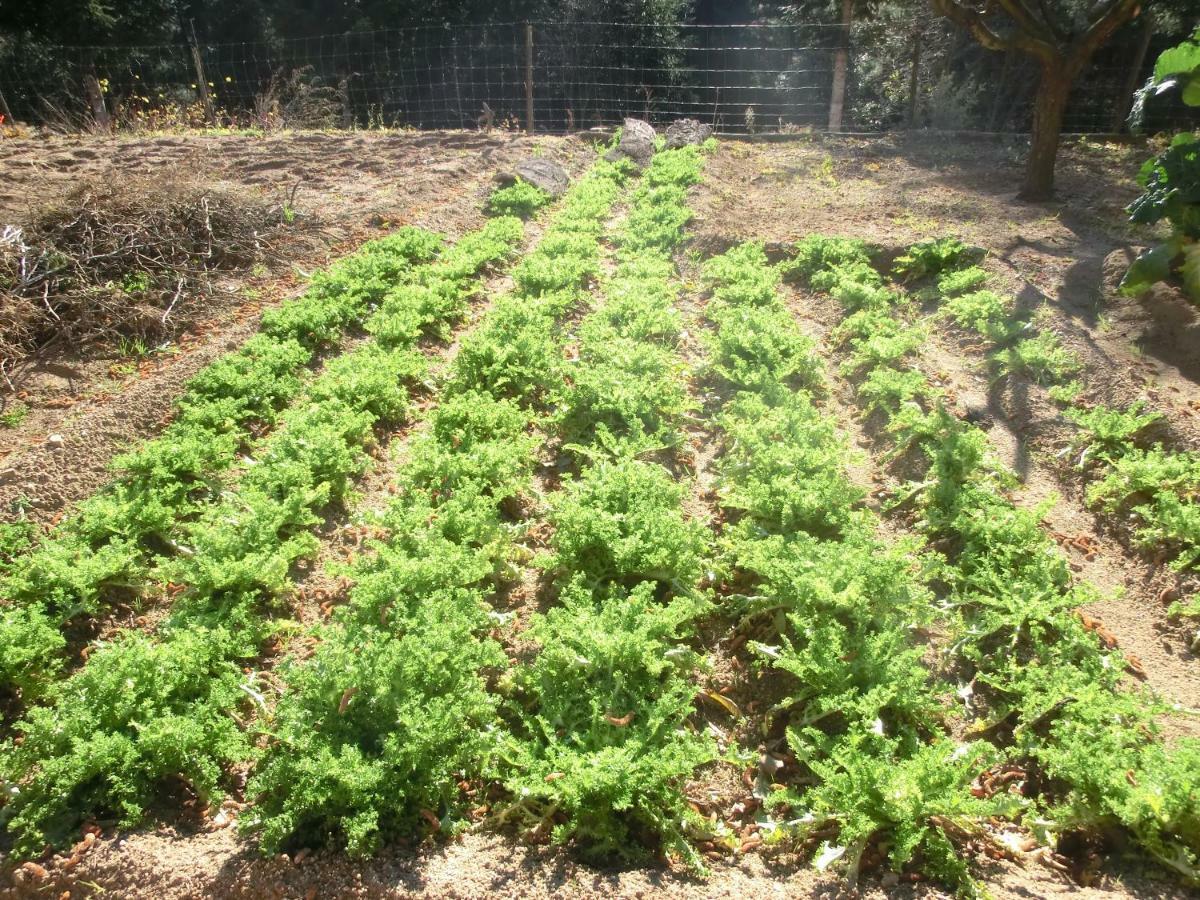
(1124, 100)
(210, 115)
(529, 77)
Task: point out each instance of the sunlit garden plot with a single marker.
(717, 526)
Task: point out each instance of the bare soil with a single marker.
(1060, 256)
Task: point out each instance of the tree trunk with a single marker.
(95, 93)
(1124, 100)
(1048, 109)
(1000, 92)
(837, 100)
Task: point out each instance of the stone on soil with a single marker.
(541, 173)
(683, 132)
(637, 143)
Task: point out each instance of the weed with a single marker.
(14, 415)
(1042, 358)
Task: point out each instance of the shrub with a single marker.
(817, 254)
(622, 521)
(931, 258)
(951, 284)
(520, 199)
(1170, 181)
(1107, 434)
(603, 738)
(981, 311)
(1159, 487)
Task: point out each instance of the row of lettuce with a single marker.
(1046, 699)
(218, 511)
(601, 742)
(411, 716)
(1153, 488)
(382, 730)
(141, 531)
(856, 732)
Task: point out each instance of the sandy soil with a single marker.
(1058, 255)
(219, 864)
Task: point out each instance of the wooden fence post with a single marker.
(529, 77)
(914, 80)
(1125, 99)
(837, 99)
(210, 115)
(95, 93)
(5, 111)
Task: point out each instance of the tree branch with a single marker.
(1027, 20)
(1116, 14)
(1061, 36)
(972, 20)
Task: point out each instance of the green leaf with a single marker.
(1190, 270)
(1191, 91)
(1151, 267)
(1181, 60)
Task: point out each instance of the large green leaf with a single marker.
(1151, 267)
(1191, 92)
(1182, 60)
(1190, 270)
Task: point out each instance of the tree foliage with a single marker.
(1171, 182)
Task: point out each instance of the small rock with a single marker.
(637, 143)
(55, 442)
(541, 173)
(683, 132)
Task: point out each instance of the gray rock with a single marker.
(540, 172)
(683, 132)
(637, 143)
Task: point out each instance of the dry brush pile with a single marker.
(125, 257)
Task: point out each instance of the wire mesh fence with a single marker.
(556, 77)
